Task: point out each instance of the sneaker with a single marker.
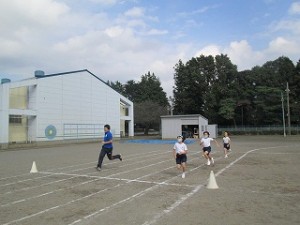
(121, 159)
(212, 161)
(98, 168)
(208, 163)
(226, 156)
(183, 175)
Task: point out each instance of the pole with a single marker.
(283, 116)
(288, 107)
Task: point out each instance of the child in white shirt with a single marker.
(179, 153)
(226, 142)
(205, 142)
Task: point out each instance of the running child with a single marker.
(205, 142)
(226, 142)
(107, 148)
(179, 153)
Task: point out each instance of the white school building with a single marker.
(64, 106)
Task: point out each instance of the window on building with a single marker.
(126, 111)
(15, 119)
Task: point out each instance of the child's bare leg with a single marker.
(225, 152)
(179, 166)
(206, 155)
(183, 165)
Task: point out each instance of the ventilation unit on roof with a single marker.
(39, 73)
(5, 80)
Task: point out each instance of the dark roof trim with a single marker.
(76, 71)
(70, 72)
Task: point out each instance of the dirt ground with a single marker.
(258, 184)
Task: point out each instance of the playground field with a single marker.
(258, 184)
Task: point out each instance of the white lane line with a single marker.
(49, 174)
(37, 186)
(139, 194)
(47, 193)
(71, 166)
(87, 196)
(279, 153)
(150, 165)
(36, 178)
(22, 181)
(20, 175)
(96, 213)
(116, 161)
(199, 187)
(83, 175)
(59, 206)
(121, 179)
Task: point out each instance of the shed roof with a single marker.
(183, 116)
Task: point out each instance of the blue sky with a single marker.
(124, 39)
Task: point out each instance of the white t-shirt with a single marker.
(226, 140)
(179, 147)
(206, 141)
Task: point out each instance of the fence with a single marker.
(261, 130)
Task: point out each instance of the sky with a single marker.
(124, 39)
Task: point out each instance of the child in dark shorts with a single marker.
(226, 142)
(179, 153)
(205, 142)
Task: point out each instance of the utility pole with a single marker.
(283, 116)
(288, 107)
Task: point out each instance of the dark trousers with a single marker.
(106, 151)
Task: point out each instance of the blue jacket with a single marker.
(107, 137)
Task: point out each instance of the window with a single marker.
(16, 119)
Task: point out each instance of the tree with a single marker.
(150, 100)
(227, 109)
(151, 90)
(148, 114)
(192, 83)
(201, 83)
(117, 86)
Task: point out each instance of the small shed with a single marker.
(191, 126)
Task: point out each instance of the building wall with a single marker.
(172, 126)
(4, 119)
(67, 106)
(18, 127)
(77, 105)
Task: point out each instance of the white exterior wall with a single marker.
(66, 101)
(4, 118)
(171, 126)
(78, 99)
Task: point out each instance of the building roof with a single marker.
(76, 71)
(183, 116)
(70, 72)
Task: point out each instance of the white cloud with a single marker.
(52, 36)
(135, 12)
(106, 2)
(18, 13)
(243, 55)
(292, 25)
(295, 8)
(240, 53)
(209, 50)
(156, 32)
(283, 46)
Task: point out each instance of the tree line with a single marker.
(213, 87)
